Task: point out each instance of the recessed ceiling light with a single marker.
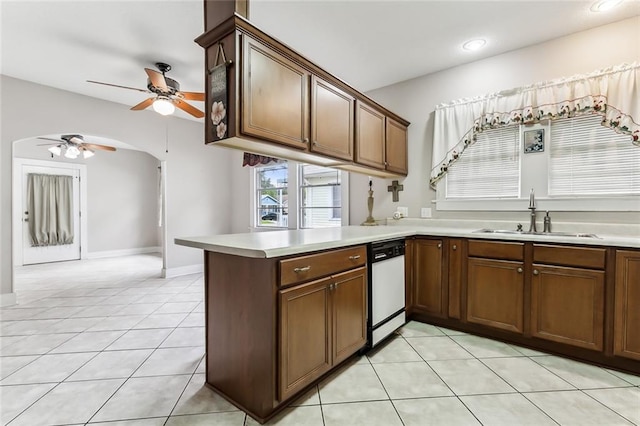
(474, 44)
(604, 5)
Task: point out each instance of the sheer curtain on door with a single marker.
(50, 201)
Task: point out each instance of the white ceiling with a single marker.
(369, 44)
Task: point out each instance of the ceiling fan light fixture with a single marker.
(72, 152)
(57, 150)
(87, 153)
(163, 106)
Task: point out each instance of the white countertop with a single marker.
(271, 244)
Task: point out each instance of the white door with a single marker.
(31, 255)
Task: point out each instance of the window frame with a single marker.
(293, 202)
(534, 174)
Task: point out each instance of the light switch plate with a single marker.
(404, 211)
(425, 212)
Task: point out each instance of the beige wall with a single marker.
(197, 198)
(415, 100)
(122, 196)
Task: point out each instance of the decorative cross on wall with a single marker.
(395, 188)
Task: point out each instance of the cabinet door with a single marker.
(274, 96)
(349, 313)
(305, 335)
(430, 295)
(495, 292)
(332, 117)
(627, 310)
(567, 305)
(396, 147)
(370, 136)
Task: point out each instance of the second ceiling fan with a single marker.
(167, 91)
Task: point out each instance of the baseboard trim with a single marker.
(123, 252)
(8, 299)
(182, 270)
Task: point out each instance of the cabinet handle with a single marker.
(519, 270)
(299, 270)
(355, 257)
(439, 245)
(305, 140)
(331, 287)
(535, 272)
(455, 247)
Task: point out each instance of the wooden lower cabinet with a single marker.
(567, 305)
(322, 323)
(495, 293)
(627, 305)
(349, 297)
(305, 335)
(429, 291)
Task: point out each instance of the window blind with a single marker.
(490, 168)
(587, 159)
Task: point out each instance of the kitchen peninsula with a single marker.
(283, 308)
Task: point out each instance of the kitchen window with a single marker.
(295, 196)
(584, 167)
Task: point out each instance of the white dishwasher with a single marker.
(386, 290)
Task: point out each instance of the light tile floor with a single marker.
(107, 342)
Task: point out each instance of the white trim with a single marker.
(182, 270)
(8, 299)
(123, 252)
(16, 189)
(626, 204)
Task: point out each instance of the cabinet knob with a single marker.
(303, 269)
(439, 245)
(536, 272)
(455, 247)
(355, 257)
(305, 140)
(519, 270)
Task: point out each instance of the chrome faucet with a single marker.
(547, 223)
(532, 207)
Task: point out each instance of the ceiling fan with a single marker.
(73, 145)
(167, 91)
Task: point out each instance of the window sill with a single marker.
(610, 204)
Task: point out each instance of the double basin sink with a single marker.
(552, 234)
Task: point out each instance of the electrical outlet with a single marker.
(425, 212)
(404, 211)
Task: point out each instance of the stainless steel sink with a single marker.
(551, 234)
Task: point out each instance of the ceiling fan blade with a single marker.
(157, 79)
(121, 87)
(188, 108)
(97, 146)
(51, 139)
(193, 96)
(142, 105)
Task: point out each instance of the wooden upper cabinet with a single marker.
(332, 117)
(370, 136)
(627, 305)
(274, 96)
(396, 147)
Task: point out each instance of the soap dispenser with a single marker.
(547, 223)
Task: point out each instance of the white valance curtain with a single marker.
(613, 93)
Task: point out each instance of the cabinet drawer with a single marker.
(584, 257)
(304, 268)
(496, 250)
